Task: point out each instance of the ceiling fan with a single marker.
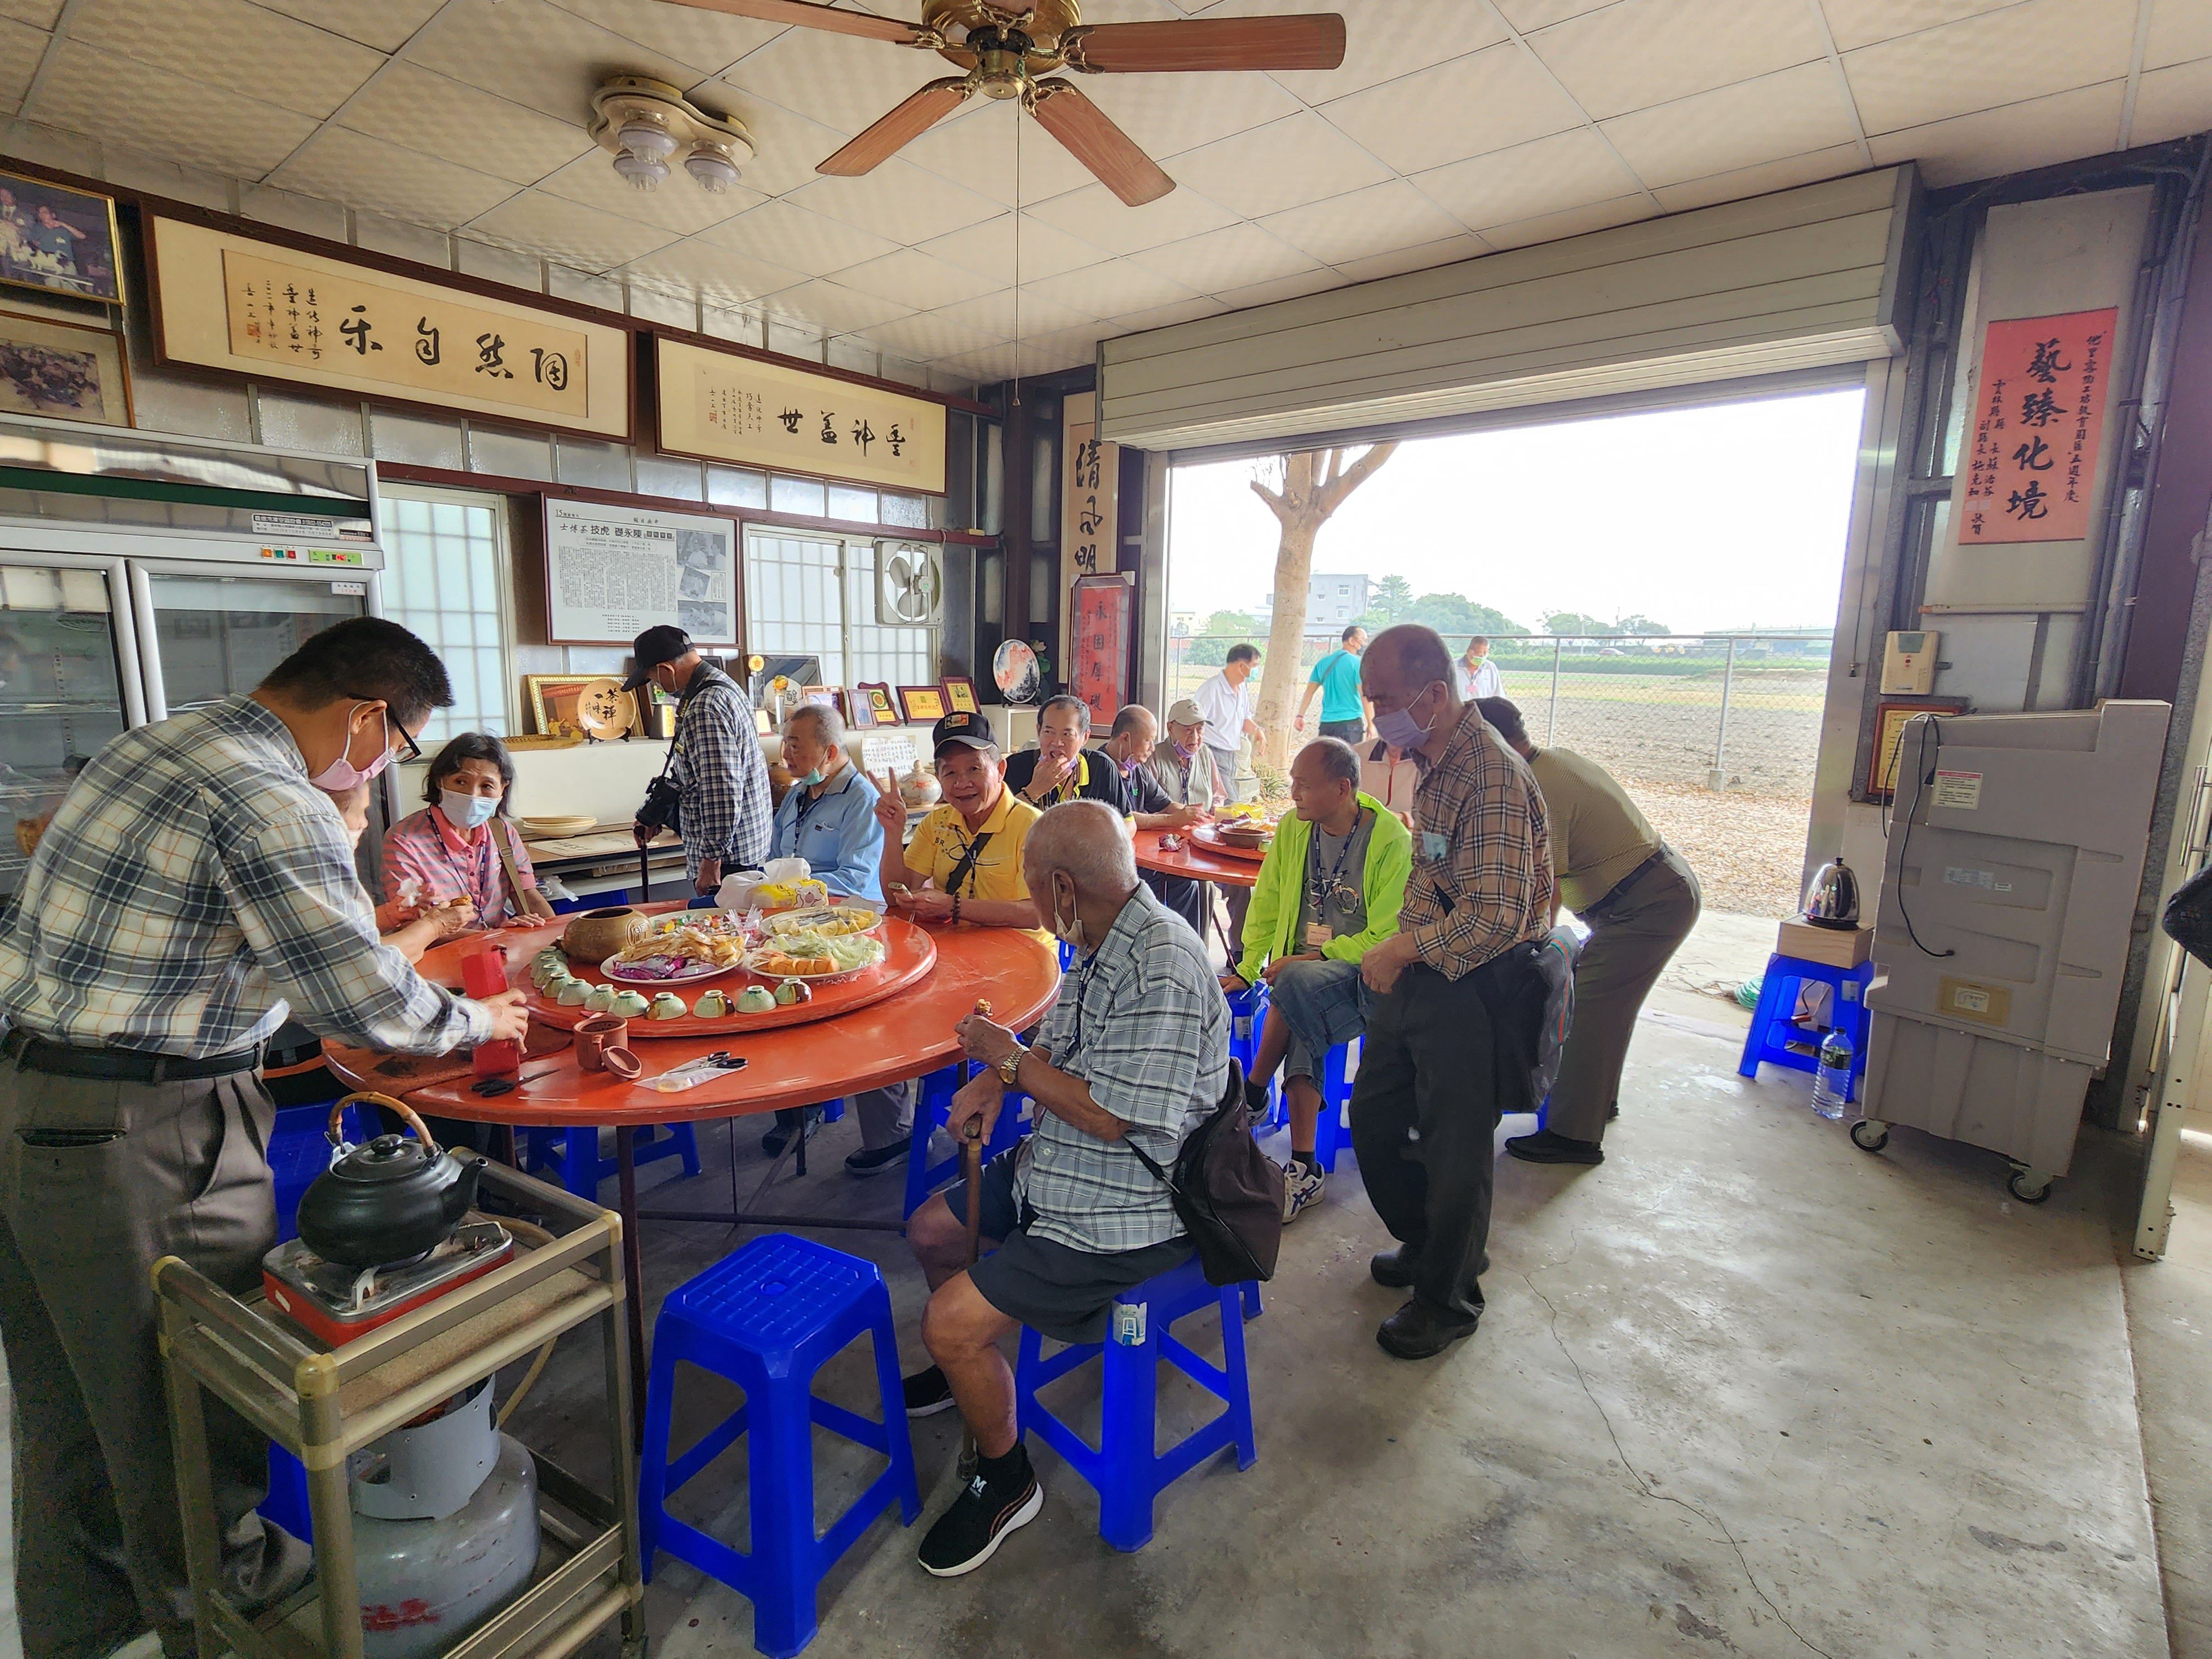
(1007, 50)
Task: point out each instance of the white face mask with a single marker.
(1069, 931)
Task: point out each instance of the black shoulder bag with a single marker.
(1227, 1192)
(966, 867)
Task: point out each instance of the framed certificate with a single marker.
(923, 702)
(959, 694)
(1892, 714)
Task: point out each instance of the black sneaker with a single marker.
(1545, 1147)
(927, 1393)
(874, 1160)
(968, 1534)
(777, 1139)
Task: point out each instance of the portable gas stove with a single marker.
(336, 1302)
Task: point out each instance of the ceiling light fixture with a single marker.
(645, 123)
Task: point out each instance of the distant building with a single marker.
(1334, 601)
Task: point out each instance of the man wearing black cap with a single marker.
(715, 763)
(964, 863)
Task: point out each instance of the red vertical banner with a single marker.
(2038, 420)
(1098, 637)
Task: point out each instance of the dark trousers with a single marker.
(1350, 731)
(1425, 1111)
(1186, 897)
(97, 1181)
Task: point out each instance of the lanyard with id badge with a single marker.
(1321, 890)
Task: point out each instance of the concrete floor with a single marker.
(1743, 1389)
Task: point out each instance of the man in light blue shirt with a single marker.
(1343, 715)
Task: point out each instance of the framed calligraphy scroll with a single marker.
(2039, 412)
(722, 406)
(1089, 499)
(231, 303)
(1099, 661)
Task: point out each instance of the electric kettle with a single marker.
(1832, 900)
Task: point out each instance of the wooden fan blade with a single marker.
(888, 136)
(1095, 141)
(1310, 42)
(805, 14)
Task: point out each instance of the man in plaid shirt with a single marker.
(1135, 1051)
(1451, 1040)
(714, 762)
(196, 884)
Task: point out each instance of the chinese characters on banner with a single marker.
(2038, 420)
(1099, 611)
(251, 308)
(1089, 495)
(613, 572)
(722, 407)
(430, 347)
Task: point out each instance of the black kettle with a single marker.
(389, 1199)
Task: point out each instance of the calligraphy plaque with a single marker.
(721, 406)
(1090, 497)
(229, 302)
(2039, 423)
(1100, 614)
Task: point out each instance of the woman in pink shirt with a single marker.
(460, 845)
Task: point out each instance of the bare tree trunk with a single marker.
(1316, 483)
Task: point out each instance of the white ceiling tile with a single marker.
(384, 25)
(714, 274)
(1426, 257)
(837, 79)
(1383, 39)
(569, 231)
(2180, 32)
(1281, 288)
(1575, 222)
(997, 362)
(679, 204)
(1487, 100)
(707, 40)
(133, 104)
(38, 14)
(1167, 114)
(1527, 14)
(1566, 170)
(1182, 311)
(2034, 134)
(1643, 52)
(996, 314)
(2173, 102)
(292, 65)
(1113, 288)
(1225, 258)
(917, 280)
(897, 200)
(988, 249)
(1767, 176)
(367, 173)
(1376, 221)
(20, 47)
(785, 147)
(532, 52)
(1247, 174)
(976, 149)
(833, 307)
(1856, 23)
(928, 337)
(424, 110)
(1094, 214)
(791, 236)
(2028, 51)
(1789, 113)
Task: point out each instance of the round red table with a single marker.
(1193, 860)
(907, 1035)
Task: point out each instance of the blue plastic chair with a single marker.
(1332, 1133)
(574, 1154)
(768, 1318)
(299, 1150)
(1772, 1028)
(1124, 1469)
(932, 1107)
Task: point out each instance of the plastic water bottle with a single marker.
(1832, 1079)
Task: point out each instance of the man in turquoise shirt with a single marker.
(1343, 715)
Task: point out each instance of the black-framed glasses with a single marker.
(414, 750)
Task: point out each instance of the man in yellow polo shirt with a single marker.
(965, 862)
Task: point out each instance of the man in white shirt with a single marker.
(1478, 676)
(1226, 701)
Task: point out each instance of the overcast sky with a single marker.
(1702, 518)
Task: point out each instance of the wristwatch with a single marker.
(1011, 1064)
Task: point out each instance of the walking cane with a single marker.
(971, 1171)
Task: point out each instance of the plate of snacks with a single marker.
(678, 953)
(814, 956)
(831, 920)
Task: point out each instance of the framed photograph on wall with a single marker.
(62, 371)
(923, 703)
(959, 694)
(56, 240)
(830, 695)
(1891, 716)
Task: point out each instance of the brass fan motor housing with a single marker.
(1043, 22)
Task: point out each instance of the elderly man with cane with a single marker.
(1136, 1050)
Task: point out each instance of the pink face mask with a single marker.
(342, 774)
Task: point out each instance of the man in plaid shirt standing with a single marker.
(714, 762)
(196, 884)
(1451, 1040)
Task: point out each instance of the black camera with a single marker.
(662, 801)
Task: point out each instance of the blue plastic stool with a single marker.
(299, 1150)
(1771, 1027)
(1332, 1133)
(1124, 1470)
(286, 1503)
(574, 1154)
(1247, 1017)
(768, 1318)
(932, 1107)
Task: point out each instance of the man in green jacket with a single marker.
(1328, 891)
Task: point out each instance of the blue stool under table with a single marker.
(1124, 1469)
(574, 1154)
(932, 1106)
(768, 1317)
(1772, 1028)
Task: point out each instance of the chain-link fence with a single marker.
(1716, 735)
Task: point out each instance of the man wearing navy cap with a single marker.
(715, 765)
